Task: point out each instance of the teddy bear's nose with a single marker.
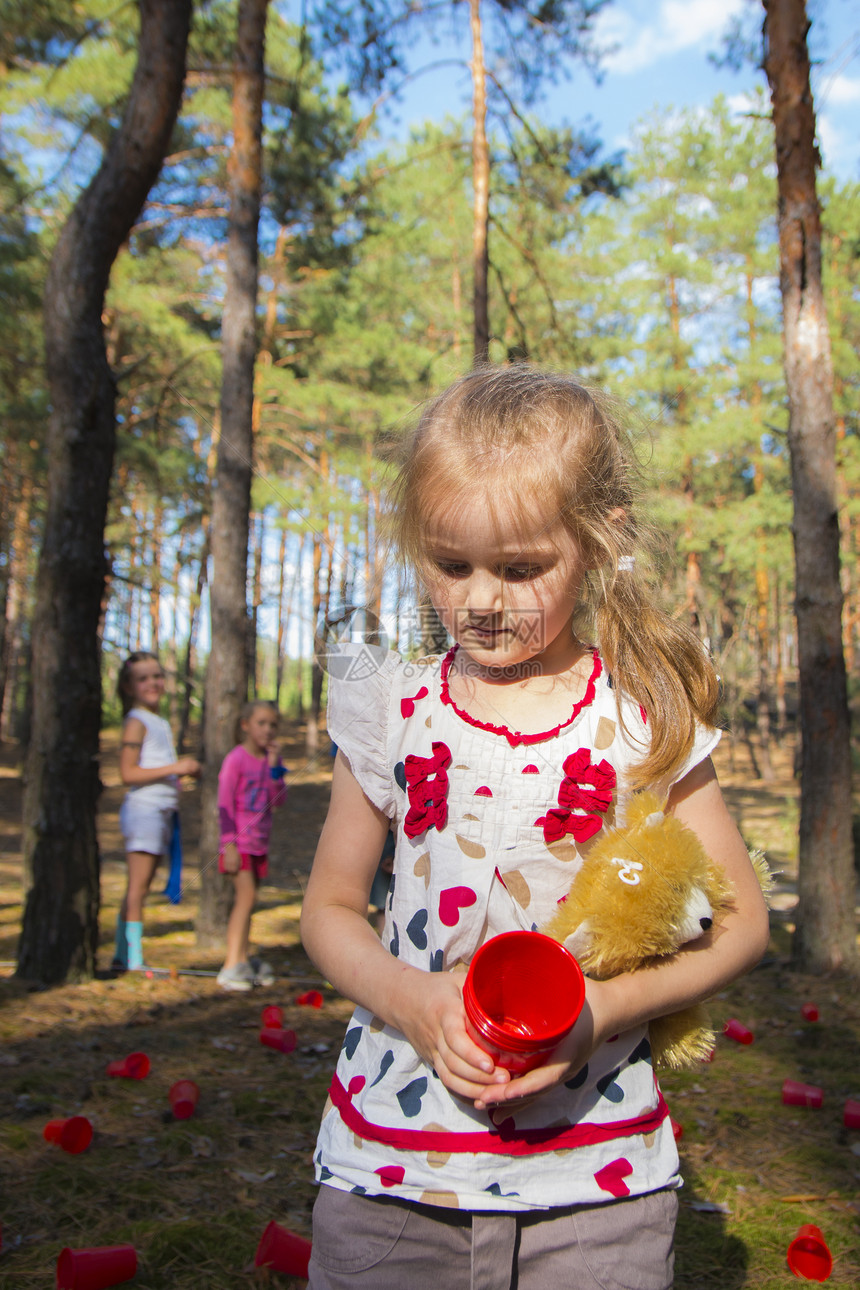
(705, 923)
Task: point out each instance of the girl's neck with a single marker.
(147, 707)
(254, 749)
(529, 703)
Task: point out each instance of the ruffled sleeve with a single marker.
(704, 742)
(360, 681)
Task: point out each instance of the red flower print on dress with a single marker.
(584, 798)
(427, 789)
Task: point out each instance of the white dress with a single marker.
(490, 827)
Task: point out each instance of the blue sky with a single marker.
(661, 61)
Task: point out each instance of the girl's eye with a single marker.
(521, 572)
(452, 568)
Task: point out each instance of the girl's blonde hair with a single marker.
(543, 448)
(123, 680)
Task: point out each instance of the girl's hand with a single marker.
(273, 752)
(231, 862)
(188, 766)
(431, 1016)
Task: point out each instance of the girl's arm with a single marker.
(426, 1006)
(228, 793)
(130, 770)
(694, 973)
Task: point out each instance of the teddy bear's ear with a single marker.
(578, 941)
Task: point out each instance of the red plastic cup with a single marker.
(183, 1097)
(677, 1129)
(809, 1012)
(96, 1269)
(283, 1251)
(310, 999)
(522, 994)
(273, 1017)
(737, 1030)
(135, 1066)
(808, 1255)
(851, 1114)
(73, 1135)
(796, 1094)
(274, 1037)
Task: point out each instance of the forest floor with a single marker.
(194, 1196)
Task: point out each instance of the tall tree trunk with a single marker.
(481, 186)
(227, 674)
(826, 933)
(59, 934)
(191, 647)
(15, 612)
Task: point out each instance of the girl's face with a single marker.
(260, 729)
(506, 598)
(146, 684)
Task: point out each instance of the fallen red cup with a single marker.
(274, 1037)
(522, 994)
(310, 999)
(96, 1269)
(808, 1255)
(273, 1016)
(796, 1094)
(74, 1134)
(283, 1251)
(135, 1066)
(677, 1129)
(183, 1097)
(809, 1012)
(736, 1030)
(851, 1114)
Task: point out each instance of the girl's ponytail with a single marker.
(662, 665)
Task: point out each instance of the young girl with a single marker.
(149, 766)
(495, 764)
(250, 785)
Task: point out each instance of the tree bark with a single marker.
(227, 673)
(59, 934)
(481, 186)
(825, 936)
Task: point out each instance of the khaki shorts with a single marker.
(382, 1243)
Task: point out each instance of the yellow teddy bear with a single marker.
(644, 889)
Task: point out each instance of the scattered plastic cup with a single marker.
(74, 1134)
(310, 999)
(183, 1096)
(851, 1114)
(135, 1066)
(97, 1268)
(273, 1017)
(809, 1012)
(522, 994)
(677, 1129)
(796, 1094)
(284, 1041)
(736, 1030)
(808, 1255)
(283, 1251)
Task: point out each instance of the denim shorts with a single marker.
(382, 1243)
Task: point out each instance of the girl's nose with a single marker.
(484, 593)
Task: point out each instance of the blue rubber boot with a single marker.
(134, 936)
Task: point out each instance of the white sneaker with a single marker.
(263, 974)
(238, 977)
